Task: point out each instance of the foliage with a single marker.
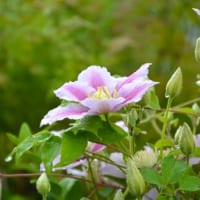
(45, 43)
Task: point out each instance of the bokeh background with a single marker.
(46, 43)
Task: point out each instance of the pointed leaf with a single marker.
(24, 146)
(72, 147)
(24, 132)
(110, 133)
(152, 176)
(172, 169)
(164, 143)
(49, 151)
(189, 183)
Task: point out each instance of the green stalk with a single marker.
(169, 103)
(131, 141)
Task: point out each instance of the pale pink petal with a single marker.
(95, 147)
(141, 73)
(100, 106)
(71, 111)
(96, 76)
(134, 92)
(73, 91)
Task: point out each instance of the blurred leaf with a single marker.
(162, 143)
(98, 130)
(151, 99)
(72, 147)
(172, 170)
(152, 176)
(189, 183)
(24, 132)
(24, 146)
(13, 138)
(49, 151)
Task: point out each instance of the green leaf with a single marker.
(189, 183)
(24, 132)
(162, 143)
(88, 123)
(72, 147)
(151, 99)
(110, 133)
(29, 142)
(196, 152)
(42, 136)
(172, 169)
(12, 138)
(50, 149)
(152, 176)
(97, 130)
(24, 146)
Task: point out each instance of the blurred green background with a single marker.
(46, 43)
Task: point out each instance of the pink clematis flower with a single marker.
(97, 92)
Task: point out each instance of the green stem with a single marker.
(131, 142)
(169, 102)
(44, 197)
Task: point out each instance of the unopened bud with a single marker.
(119, 195)
(178, 134)
(186, 142)
(196, 108)
(135, 181)
(144, 158)
(197, 50)
(174, 85)
(43, 186)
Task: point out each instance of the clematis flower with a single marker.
(97, 92)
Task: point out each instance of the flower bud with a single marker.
(186, 142)
(42, 184)
(178, 134)
(119, 195)
(144, 158)
(174, 85)
(197, 50)
(135, 181)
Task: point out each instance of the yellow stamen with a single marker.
(103, 93)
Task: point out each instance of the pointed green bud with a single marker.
(42, 184)
(197, 50)
(178, 134)
(196, 108)
(135, 181)
(119, 195)
(186, 142)
(174, 85)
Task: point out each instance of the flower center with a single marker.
(103, 93)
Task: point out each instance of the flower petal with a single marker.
(73, 91)
(96, 76)
(196, 10)
(141, 73)
(71, 111)
(133, 92)
(100, 106)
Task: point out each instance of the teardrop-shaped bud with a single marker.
(42, 184)
(135, 181)
(174, 85)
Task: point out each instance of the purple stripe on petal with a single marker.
(73, 91)
(142, 72)
(95, 147)
(96, 76)
(135, 92)
(71, 111)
